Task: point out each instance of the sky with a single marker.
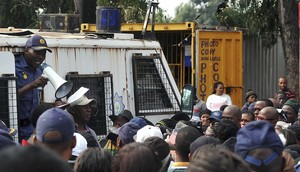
(170, 5)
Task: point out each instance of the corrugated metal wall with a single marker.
(262, 67)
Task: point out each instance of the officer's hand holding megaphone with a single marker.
(40, 82)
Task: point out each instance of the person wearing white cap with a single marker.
(81, 109)
(146, 132)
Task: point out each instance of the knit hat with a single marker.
(293, 104)
(250, 93)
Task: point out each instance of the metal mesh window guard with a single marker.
(154, 93)
(8, 102)
(100, 88)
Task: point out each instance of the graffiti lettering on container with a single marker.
(207, 53)
(212, 43)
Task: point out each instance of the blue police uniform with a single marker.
(28, 102)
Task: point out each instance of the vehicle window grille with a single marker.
(153, 92)
(8, 102)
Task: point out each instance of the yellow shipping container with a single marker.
(219, 58)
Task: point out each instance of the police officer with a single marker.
(29, 79)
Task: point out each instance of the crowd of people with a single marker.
(262, 136)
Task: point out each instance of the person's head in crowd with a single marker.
(252, 107)
(166, 126)
(126, 133)
(260, 104)
(120, 119)
(6, 140)
(201, 141)
(93, 159)
(82, 111)
(159, 147)
(291, 108)
(290, 137)
(223, 107)
(293, 154)
(247, 116)
(216, 116)
(136, 157)
(172, 138)
(275, 104)
(91, 142)
(180, 116)
(281, 98)
(282, 83)
(224, 130)
(209, 131)
(216, 158)
(167, 122)
(35, 51)
(31, 158)
(55, 130)
(218, 88)
(81, 145)
(233, 112)
(37, 112)
(260, 146)
(269, 114)
(296, 130)
(294, 147)
(183, 141)
(161, 150)
(204, 117)
(146, 132)
(141, 122)
(251, 96)
(230, 143)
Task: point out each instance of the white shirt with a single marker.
(214, 102)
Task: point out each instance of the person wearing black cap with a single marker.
(110, 142)
(120, 120)
(251, 97)
(29, 79)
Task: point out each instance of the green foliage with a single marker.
(185, 12)
(259, 18)
(24, 13)
(161, 16)
(199, 11)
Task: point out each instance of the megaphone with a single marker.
(61, 86)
